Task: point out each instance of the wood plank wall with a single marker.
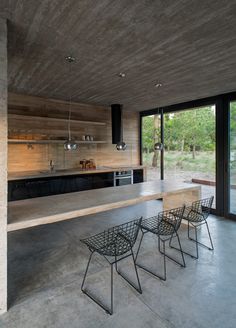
(20, 158)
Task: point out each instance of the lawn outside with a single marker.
(182, 167)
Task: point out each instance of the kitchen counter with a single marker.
(44, 210)
(12, 176)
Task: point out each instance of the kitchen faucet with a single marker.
(51, 163)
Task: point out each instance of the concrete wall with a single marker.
(3, 166)
(23, 124)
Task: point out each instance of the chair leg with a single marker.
(178, 249)
(86, 271)
(212, 247)
(111, 311)
(92, 297)
(164, 257)
(139, 246)
(194, 240)
(181, 250)
(150, 271)
(163, 253)
(209, 235)
(139, 289)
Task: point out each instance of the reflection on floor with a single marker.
(46, 266)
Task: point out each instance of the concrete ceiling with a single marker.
(187, 45)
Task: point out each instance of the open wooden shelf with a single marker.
(51, 141)
(52, 119)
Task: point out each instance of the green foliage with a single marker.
(189, 130)
(233, 142)
(233, 125)
(175, 160)
(148, 133)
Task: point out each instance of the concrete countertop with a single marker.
(12, 176)
(32, 212)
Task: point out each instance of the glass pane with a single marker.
(151, 135)
(189, 138)
(232, 158)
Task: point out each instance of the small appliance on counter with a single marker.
(87, 164)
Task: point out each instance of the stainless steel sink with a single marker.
(55, 171)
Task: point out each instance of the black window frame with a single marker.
(222, 103)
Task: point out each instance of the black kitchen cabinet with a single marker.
(39, 187)
(138, 176)
(102, 180)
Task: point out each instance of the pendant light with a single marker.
(117, 127)
(121, 145)
(70, 144)
(158, 146)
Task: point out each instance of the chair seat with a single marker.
(158, 225)
(108, 244)
(115, 241)
(192, 215)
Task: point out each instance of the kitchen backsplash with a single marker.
(37, 157)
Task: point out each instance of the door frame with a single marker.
(222, 103)
(227, 101)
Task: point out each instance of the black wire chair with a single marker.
(165, 225)
(114, 244)
(197, 215)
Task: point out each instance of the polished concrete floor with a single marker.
(46, 266)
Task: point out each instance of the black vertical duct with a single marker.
(116, 119)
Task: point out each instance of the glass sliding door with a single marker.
(151, 134)
(199, 146)
(232, 158)
(190, 147)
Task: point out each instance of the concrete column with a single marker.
(3, 166)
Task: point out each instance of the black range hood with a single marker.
(117, 127)
(116, 120)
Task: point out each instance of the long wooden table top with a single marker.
(32, 212)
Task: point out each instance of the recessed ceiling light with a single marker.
(158, 85)
(70, 58)
(121, 74)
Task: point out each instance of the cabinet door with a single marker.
(38, 188)
(138, 176)
(102, 180)
(17, 190)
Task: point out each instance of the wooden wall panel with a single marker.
(20, 158)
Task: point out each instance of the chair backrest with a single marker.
(203, 206)
(170, 220)
(115, 241)
(125, 235)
